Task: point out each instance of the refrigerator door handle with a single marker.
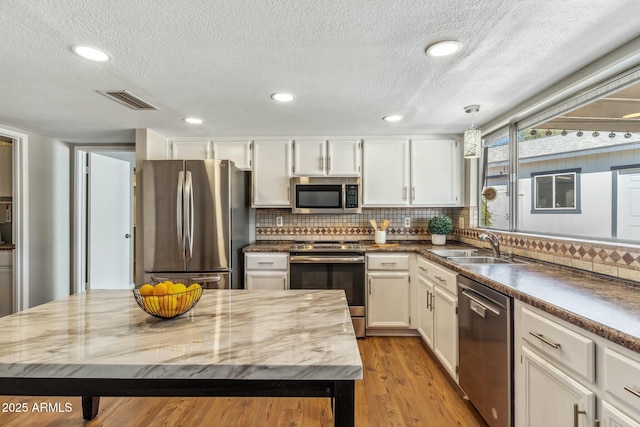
(179, 212)
(189, 214)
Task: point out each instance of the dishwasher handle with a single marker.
(480, 306)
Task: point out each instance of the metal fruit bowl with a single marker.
(166, 299)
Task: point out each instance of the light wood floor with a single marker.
(402, 386)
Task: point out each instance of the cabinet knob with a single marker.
(127, 236)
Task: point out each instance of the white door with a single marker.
(550, 395)
(628, 219)
(109, 231)
(271, 173)
(445, 329)
(309, 158)
(239, 152)
(425, 310)
(385, 173)
(388, 300)
(435, 172)
(343, 157)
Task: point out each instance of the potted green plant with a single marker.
(439, 227)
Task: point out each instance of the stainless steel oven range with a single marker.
(332, 265)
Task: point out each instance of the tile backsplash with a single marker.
(351, 226)
(598, 257)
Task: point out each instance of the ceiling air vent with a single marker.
(128, 99)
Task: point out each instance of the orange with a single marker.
(151, 304)
(146, 290)
(160, 289)
(197, 290)
(186, 300)
(177, 288)
(168, 305)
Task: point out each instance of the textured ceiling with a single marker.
(349, 62)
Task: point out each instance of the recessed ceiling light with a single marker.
(444, 48)
(193, 120)
(283, 97)
(631, 116)
(92, 53)
(393, 118)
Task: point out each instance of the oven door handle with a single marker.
(304, 259)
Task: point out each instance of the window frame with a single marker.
(554, 173)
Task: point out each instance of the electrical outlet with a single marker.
(278, 221)
(407, 222)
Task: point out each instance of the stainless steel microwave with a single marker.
(326, 195)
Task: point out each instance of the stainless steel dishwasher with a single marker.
(485, 344)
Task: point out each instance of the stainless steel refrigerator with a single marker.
(195, 216)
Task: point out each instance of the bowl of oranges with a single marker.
(167, 299)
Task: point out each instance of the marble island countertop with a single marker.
(608, 307)
(230, 334)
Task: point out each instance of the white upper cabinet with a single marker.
(343, 157)
(239, 152)
(385, 173)
(424, 172)
(309, 157)
(190, 149)
(436, 172)
(271, 173)
(326, 157)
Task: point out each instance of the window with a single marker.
(572, 170)
(555, 192)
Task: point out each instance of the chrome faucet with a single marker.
(493, 240)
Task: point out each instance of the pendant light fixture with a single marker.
(472, 136)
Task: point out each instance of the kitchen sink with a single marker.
(481, 260)
(448, 253)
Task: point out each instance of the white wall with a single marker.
(49, 219)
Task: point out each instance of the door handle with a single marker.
(633, 391)
(545, 340)
(188, 204)
(576, 413)
(127, 236)
(179, 212)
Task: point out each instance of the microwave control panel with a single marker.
(352, 196)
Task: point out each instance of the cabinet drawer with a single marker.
(572, 349)
(438, 275)
(622, 378)
(267, 261)
(388, 262)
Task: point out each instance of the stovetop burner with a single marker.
(327, 246)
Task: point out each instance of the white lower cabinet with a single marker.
(610, 416)
(266, 271)
(425, 310)
(445, 329)
(438, 312)
(552, 398)
(388, 291)
(566, 376)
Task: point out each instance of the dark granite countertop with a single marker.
(606, 306)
